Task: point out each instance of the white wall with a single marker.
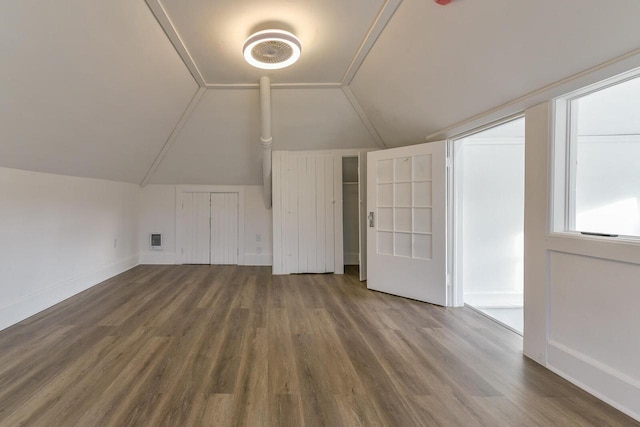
(258, 233)
(581, 315)
(158, 214)
(492, 220)
(59, 236)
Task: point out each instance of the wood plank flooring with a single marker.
(227, 346)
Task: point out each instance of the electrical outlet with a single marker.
(258, 237)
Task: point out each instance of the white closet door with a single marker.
(304, 213)
(224, 228)
(195, 228)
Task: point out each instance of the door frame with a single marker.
(455, 166)
(182, 189)
(339, 155)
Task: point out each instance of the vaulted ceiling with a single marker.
(159, 92)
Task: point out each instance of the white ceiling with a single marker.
(87, 88)
(97, 89)
(212, 34)
(435, 66)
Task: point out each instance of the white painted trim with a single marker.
(32, 304)
(496, 299)
(380, 22)
(159, 258)
(616, 66)
(614, 249)
(355, 104)
(181, 189)
(493, 319)
(237, 86)
(258, 259)
(338, 216)
(496, 141)
(382, 19)
(344, 152)
(604, 382)
(166, 24)
(173, 136)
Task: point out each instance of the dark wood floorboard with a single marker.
(236, 346)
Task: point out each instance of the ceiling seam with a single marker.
(173, 135)
(275, 86)
(355, 104)
(379, 24)
(172, 34)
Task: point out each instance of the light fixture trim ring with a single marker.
(272, 35)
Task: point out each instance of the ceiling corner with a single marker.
(173, 135)
(355, 104)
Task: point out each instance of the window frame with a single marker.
(563, 156)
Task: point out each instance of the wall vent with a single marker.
(155, 241)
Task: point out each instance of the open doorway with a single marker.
(350, 212)
(489, 221)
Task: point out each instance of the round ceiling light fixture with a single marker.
(272, 49)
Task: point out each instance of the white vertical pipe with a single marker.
(265, 137)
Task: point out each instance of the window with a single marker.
(597, 159)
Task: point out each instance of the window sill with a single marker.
(623, 249)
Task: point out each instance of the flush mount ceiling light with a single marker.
(272, 49)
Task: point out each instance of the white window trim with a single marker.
(561, 237)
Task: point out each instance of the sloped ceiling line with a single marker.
(363, 116)
(165, 23)
(381, 21)
(174, 135)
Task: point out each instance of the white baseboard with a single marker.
(35, 303)
(351, 258)
(158, 257)
(604, 382)
(494, 299)
(258, 259)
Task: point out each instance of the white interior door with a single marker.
(195, 228)
(406, 199)
(224, 228)
(362, 214)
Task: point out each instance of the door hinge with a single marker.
(371, 219)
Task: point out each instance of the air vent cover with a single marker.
(272, 49)
(155, 241)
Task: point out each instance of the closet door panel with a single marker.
(224, 228)
(195, 228)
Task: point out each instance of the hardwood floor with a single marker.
(226, 346)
